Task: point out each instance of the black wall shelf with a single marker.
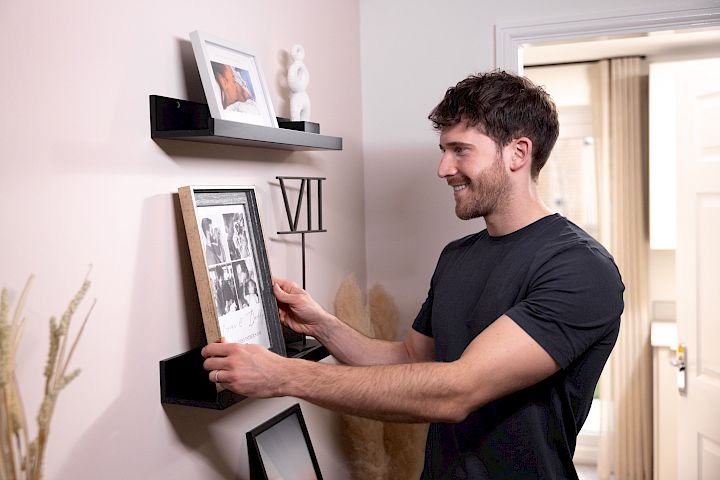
(184, 381)
(175, 119)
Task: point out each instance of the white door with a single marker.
(698, 267)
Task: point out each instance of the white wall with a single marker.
(411, 53)
(568, 85)
(82, 182)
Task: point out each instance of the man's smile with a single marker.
(458, 184)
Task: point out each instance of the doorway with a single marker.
(573, 45)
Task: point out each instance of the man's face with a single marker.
(473, 166)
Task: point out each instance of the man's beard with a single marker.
(488, 191)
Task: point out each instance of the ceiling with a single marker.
(665, 44)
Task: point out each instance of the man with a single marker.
(233, 89)
(520, 318)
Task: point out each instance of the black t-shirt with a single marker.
(563, 288)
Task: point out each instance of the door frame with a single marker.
(510, 37)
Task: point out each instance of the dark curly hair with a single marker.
(503, 106)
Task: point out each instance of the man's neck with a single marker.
(518, 213)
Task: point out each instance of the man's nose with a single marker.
(447, 166)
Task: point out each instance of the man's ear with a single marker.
(521, 154)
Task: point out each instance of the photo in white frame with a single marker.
(234, 84)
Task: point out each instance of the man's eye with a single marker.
(460, 150)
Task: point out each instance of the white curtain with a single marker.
(620, 91)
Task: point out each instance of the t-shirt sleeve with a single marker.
(423, 323)
(574, 299)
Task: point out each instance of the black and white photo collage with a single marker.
(233, 278)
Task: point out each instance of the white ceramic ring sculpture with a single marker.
(298, 79)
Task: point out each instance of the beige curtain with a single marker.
(620, 88)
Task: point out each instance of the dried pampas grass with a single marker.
(377, 450)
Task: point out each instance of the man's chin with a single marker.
(465, 213)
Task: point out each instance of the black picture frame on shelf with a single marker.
(230, 264)
(281, 448)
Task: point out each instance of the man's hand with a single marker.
(304, 315)
(298, 310)
(250, 370)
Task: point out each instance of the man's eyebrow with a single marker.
(455, 144)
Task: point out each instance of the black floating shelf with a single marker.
(175, 119)
(184, 381)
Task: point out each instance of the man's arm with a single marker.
(302, 314)
(499, 361)
(351, 347)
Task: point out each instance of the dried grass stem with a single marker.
(22, 459)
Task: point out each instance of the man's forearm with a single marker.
(304, 315)
(418, 392)
(351, 347)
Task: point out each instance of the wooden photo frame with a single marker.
(234, 84)
(230, 263)
(281, 448)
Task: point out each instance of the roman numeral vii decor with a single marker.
(306, 184)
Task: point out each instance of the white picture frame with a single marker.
(233, 81)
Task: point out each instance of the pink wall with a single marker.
(82, 182)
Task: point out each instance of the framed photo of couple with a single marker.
(230, 263)
(233, 81)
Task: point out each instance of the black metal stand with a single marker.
(293, 221)
(293, 224)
